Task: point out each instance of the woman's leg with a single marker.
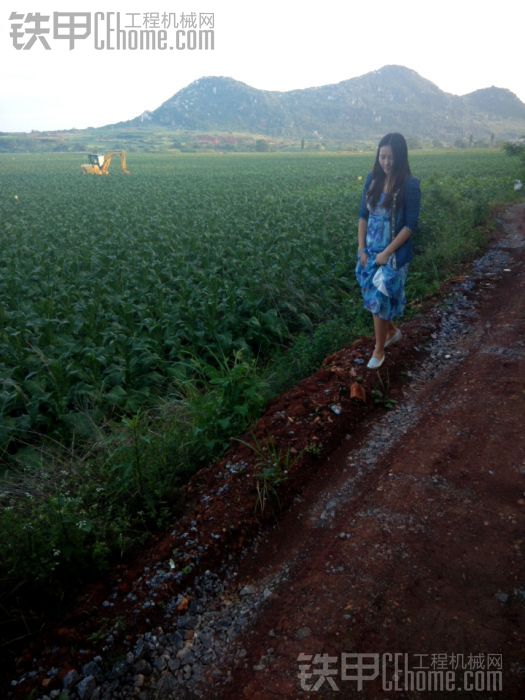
(381, 328)
(391, 329)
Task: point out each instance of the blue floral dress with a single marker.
(377, 238)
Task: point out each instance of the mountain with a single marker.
(393, 98)
(496, 102)
(223, 114)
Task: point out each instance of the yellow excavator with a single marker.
(99, 165)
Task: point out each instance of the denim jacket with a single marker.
(407, 214)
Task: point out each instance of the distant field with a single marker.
(105, 281)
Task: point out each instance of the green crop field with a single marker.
(105, 282)
(145, 320)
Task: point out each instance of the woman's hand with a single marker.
(382, 258)
(363, 258)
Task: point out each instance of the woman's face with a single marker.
(386, 159)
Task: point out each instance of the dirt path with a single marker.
(410, 543)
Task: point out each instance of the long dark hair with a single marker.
(400, 170)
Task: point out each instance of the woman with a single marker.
(387, 219)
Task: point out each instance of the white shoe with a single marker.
(374, 363)
(394, 339)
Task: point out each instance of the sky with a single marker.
(460, 45)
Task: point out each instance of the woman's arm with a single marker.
(361, 235)
(361, 241)
(412, 203)
(394, 244)
(363, 222)
(363, 209)
(412, 207)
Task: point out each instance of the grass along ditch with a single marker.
(133, 354)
